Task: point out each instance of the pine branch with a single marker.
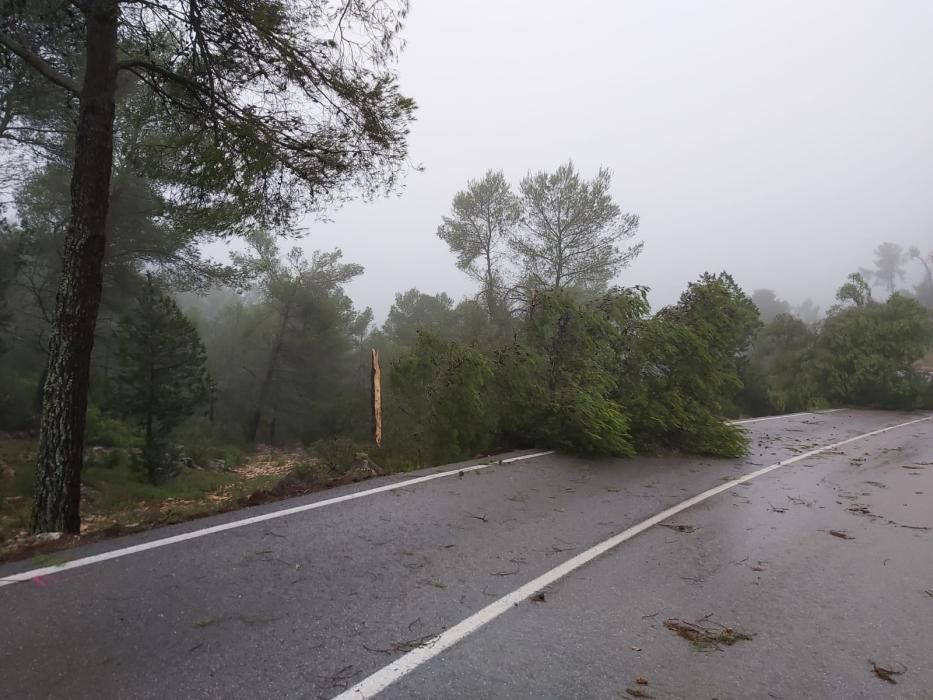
(39, 64)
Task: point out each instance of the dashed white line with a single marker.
(382, 679)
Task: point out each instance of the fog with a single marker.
(779, 142)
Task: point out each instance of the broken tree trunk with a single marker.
(377, 399)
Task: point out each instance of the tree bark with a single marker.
(57, 492)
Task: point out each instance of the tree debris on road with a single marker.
(706, 637)
(886, 672)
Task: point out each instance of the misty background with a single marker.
(780, 141)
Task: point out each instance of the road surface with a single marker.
(542, 578)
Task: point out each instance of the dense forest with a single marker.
(193, 362)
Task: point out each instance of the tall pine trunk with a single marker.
(57, 492)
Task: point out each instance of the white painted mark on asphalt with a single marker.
(165, 541)
(382, 679)
(746, 421)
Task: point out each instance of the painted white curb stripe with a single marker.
(165, 541)
(407, 663)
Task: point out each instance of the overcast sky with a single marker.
(780, 141)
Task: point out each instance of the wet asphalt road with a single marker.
(307, 605)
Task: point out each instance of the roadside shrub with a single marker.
(107, 431)
(335, 454)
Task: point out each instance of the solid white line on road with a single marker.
(746, 421)
(165, 541)
(382, 679)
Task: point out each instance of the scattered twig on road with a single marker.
(679, 528)
(479, 517)
(342, 678)
(929, 592)
(638, 693)
(841, 534)
(777, 509)
(504, 573)
(887, 672)
(405, 646)
(910, 527)
(375, 650)
(704, 637)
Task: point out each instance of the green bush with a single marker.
(107, 431)
(335, 454)
(202, 444)
(17, 402)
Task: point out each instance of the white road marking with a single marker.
(382, 679)
(746, 421)
(165, 541)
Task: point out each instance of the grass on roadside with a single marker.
(117, 498)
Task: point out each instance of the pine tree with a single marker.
(163, 377)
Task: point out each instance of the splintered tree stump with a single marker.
(377, 399)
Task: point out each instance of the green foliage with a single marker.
(683, 370)
(889, 266)
(780, 365)
(299, 377)
(106, 431)
(572, 231)
(9, 261)
(163, 374)
(17, 399)
(335, 454)
(437, 406)
(478, 230)
(855, 291)
(556, 384)
(864, 354)
(202, 443)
